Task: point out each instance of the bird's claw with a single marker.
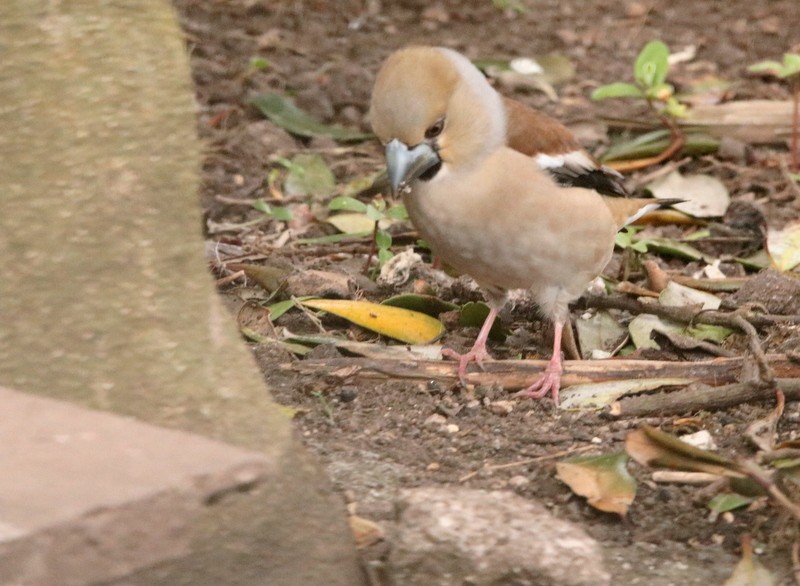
(549, 382)
(476, 355)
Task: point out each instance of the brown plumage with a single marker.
(489, 196)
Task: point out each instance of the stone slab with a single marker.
(87, 496)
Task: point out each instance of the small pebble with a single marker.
(518, 481)
(435, 420)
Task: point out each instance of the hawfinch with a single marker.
(499, 191)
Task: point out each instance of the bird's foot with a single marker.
(549, 382)
(477, 354)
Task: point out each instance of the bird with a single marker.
(498, 190)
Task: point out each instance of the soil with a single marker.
(378, 437)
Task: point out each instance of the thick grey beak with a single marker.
(406, 164)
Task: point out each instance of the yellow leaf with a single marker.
(401, 324)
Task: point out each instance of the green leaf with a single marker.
(513, 5)
(772, 67)
(278, 309)
(397, 212)
(725, 502)
(473, 314)
(279, 213)
(652, 64)
(351, 223)
(350, 204)
(674, 108)
(384, 255)
(383, 239)
(258, 63)
(791, 64)
(676, 249)
(309, 174)
(427, 304)
(373, 213)
(653, 143)
(282, 111)
(617, 90)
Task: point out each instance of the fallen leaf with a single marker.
(749, 571)
(706, 196)
(675, 248)
(354, 223)
(365, 532)
(604, 481)
(654, 448)
(427, 304)
(783, 247)
(539, 73)
(728, 501)
(401, 324)
(682, 296)
(642, 326)
(599, 332)
(308, 174)
(473, 314)
(367, 349)
(596, 395)
(756, 261)
(654, 143)
(282, 111)
(269, 277)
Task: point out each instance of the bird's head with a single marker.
(433, 110)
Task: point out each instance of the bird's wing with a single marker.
(557, 151)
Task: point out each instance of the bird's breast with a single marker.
(509, 236)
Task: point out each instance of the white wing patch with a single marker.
(645, 210)
(571, 160)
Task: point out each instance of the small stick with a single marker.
(566, 452)
(230, 278)
(700, 398)
(678, 477)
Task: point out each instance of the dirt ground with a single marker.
(378, 437)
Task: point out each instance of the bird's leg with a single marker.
(550, 381)
(478, 353)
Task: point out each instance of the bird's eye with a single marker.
(435, 129)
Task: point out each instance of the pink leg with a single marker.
(478, 353)
(550, 381)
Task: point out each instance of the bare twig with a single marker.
(701, 397)
(517, 374)
(687, 314)
(309, 314)
(678, 139)
(761, 477)
(566, 452)
(764, 370)
(230, 278)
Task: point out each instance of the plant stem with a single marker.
(795, 122)
(372, 248)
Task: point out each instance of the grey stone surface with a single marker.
(105, 300)
(488, 538)
(88, 496)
